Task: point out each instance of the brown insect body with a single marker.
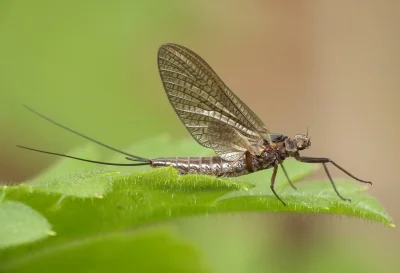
(217, 166)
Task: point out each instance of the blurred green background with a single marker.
(331, 66)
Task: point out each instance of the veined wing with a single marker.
(200, 98)
(228, 143)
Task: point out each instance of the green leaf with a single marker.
(72, 178)
(20, 224)
(83, 206)
(84, 184)
(123, 251)
(314, 197)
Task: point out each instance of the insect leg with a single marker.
(273, 183)
(287, 176)
(327, 160)
(333, 184)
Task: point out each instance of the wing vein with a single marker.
(210, 111)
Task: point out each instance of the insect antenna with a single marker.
(144, 161)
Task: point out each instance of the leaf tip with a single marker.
(392, 225)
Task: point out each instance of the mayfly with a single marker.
(217, 119)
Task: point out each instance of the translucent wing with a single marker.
(228, 143)
(204, 103)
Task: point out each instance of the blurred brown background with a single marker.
(330, 65)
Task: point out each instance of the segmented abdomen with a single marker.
(214, 165)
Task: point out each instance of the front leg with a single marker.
(327, 160)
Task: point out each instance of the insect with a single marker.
(217, 119)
